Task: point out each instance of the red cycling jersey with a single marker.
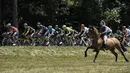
(13, 29)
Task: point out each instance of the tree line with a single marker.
(70, 12)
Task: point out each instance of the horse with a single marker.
(111, 44)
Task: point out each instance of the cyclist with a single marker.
(40, 29)
(13, 31)
(50, 33)
(69, 31)
(58, 30)
(58, 34)
(84, 30)
(83, 33)
(29, 31)
(126, 31)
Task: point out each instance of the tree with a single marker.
(0, 11)
(15, 23)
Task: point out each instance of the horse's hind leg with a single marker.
(115, 54)
(123, 54)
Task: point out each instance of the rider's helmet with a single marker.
(56, 27)
(82, 26)
(64, 26)
(123, 27)
(50, 27)
(8, 25)
(102, 22)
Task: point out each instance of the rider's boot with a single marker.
(104, 43)
(103, 46)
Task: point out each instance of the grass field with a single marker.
(41, 59)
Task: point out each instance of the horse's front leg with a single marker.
(96, 55)
(86, 51)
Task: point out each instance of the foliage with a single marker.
(71, 12)
(113, 14)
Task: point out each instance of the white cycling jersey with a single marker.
(85, 30)
(128, 31)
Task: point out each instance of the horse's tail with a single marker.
(123, 47)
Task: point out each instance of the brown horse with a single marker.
(111, 44)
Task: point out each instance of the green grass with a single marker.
(39, 59)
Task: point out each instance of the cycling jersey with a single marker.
(14, 33)
(69, 30)
(13, 29)
(45, 29)
(58, 30)
(84, 31)
(126, 32)
(29, 31)
(50, 31)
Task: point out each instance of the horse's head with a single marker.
(93, 32)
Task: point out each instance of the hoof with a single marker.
(85, 55)
(127, 60)
(94, 61)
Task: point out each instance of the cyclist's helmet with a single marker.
(8, 25)
(71, 27)
(123, 27)
(38, 23)
(56, 26)
(25, 24)
(64, 26)
(50, 27)
(129, 27)
(82, 25)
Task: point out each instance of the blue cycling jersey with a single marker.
(51, 31)
(45, 29)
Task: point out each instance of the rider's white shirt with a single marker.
(108, 29)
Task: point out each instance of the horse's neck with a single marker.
(97, 36)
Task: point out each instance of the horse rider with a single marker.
(105, 31)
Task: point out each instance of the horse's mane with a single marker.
(96, 32)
